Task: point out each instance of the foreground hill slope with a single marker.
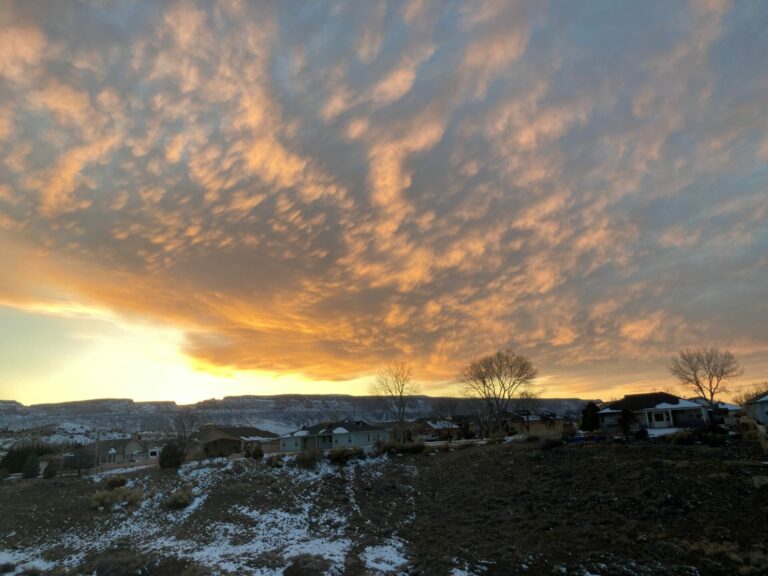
(526, 508)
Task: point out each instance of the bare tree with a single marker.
(446, 408)
(751, 392)
(497, 380)
(706, 371)
(395, 388)
(185, 424)
(524, 404)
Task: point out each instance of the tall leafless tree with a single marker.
(184, 426)
(751, 392)
(395, 387)
(497, 380)
(705, 371)
(525, 403)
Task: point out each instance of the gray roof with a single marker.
(241, 432)
(339, 427)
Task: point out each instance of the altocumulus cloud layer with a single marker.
(319, 187)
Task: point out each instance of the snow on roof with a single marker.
(681, 405)
(340, 430)
(729, 407)
(760, 399)
(441, 424)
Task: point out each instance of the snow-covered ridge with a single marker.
(279, 414)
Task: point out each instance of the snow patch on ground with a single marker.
(24, 561)
(657, 432)
(386, 558)
(250, 540)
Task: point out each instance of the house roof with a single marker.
(345, 426)
(719, 405)
(649, 401)
(756, 399)
(246, 433)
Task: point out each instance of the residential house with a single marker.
(542, 424)
(757, 409)
(111, 452)
(723, 413)
(654, 410)
(328, 435)
(214, 440)
(425, 430)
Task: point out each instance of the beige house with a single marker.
(112, 452)
(539, 424)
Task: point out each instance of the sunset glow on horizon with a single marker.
(206, 199)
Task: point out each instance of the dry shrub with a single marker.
(129, 562)
(274, 461)
(121, 495)
(683, 438)
(181, 498)
(307, 565)
(113, 482)
(341, 456)
(550, 443)
(51, 470)
(308, 459)
(393, 447)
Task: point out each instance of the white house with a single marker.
(652, 411)
(328, 435)
(757, 409)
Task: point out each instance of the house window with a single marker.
(335, 440)
(369, 437)
(349, 439)
(659, 417)
(295, 443)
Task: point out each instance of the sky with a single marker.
(201, 199)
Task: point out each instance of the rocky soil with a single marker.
(518, 508)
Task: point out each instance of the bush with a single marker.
(497, 437)
(341, 456)
(7, 567)
(256, 453)
(393, 447)
(274, 461)
(16, 457)
(31, 467)
(714, 439)
(308, 459)
(124, 561)
(171, 456)
(107, 499)
(682, 438)
(113, 482)
(641, 434)
(550, 443)
(181, 498)
(51, 470)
